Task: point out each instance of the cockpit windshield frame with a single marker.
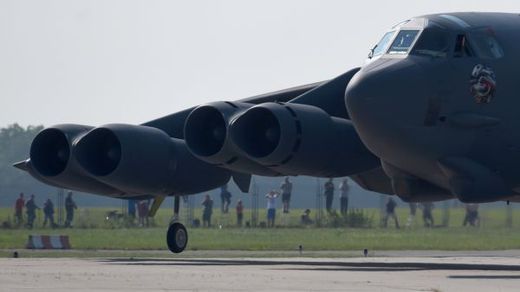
(382, 46)
(427, 38)
(434, 42)
(403, 41)
(386, 42)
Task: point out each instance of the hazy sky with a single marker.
(96, 62)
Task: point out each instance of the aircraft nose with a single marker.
(361, 98)
(395, 94)
(384, 101)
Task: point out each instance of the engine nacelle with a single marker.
(206, 132)
(145, 160)
(51, 160)
(300, 139)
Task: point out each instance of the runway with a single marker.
(416, 273)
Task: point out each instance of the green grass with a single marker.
(491, 235)
(284, 238)
(95, 217)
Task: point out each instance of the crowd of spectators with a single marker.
(31, 208)
(140, 209)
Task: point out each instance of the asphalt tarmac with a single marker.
(419, 272)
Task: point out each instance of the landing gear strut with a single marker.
(177, 236)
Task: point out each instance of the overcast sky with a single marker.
(96, 62)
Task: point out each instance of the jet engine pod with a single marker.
(145, 160)
(51, 148)
(51, 160)
(206, 132)
(300, 139)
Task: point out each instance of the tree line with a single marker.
(15, 142)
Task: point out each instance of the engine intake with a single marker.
(51, 160)
(50, 151)
(145, 160)
(300, 139)
(207, 135)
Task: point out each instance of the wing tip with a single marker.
(23, 165)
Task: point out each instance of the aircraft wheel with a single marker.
(177, 237)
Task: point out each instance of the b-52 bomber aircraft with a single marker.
(432, 115)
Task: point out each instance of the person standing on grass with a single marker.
(471, 215)
(70, 206)
(427, 214)
(390, 212)
(225, 199)
(48, 211)
(18, 210)
(240, 213)
(329, 194)
(411, 217)
(142, 212)
(30, 209)
(207, 211)
(343, 196)
(131, 209)
(271, 207)
(286, 189)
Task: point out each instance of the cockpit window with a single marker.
(381, 47)
(485, 44)
(462, 47)
(403, 41)
(435, 43)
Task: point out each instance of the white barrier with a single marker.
(48, 242)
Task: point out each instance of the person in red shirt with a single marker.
(18, 209)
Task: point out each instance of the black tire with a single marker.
(177, 237)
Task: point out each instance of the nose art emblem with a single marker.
(483, 83)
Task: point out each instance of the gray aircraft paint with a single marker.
(431, 116)
(417, 113)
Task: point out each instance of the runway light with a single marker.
(15, 254)
(365, 252)
(300, 248)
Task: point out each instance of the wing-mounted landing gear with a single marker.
(176, 207)
(177, 235)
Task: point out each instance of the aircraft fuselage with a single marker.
(445, 110)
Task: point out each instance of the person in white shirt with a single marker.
(271, 207)
(286, 189)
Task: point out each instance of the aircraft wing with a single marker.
(302, 130)
(173, 124)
